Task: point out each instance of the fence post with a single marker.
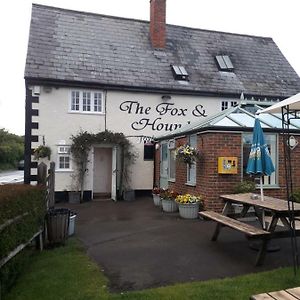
(42, 173)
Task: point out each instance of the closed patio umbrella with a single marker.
(259, 162)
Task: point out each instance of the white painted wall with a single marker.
(134, 114)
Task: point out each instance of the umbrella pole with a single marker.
(262, 199)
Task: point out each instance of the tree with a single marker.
(11, 149)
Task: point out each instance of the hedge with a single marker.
(22, 214)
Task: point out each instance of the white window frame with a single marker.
(63, 151)
(191, 172)
(90, 102)
(171, 160)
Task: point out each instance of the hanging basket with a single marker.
(187, 154)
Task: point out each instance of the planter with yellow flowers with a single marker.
(189, 205)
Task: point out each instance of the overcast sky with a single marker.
(278, 19)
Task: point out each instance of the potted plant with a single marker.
(189, 205)
(187, 154)
(156, 196)
(168, 200)
(42, 152)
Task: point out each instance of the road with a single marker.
(13, 176)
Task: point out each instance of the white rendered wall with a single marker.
(134, 114)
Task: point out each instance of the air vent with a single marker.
(179, 72)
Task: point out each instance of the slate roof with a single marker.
(79, 47)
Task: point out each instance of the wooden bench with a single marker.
(248, 229)
(290, 294)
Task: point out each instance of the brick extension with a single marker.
(209, 183)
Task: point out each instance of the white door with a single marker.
(114, 174)
(102, 181)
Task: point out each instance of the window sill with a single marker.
(190, 183)
(86, 112)
(63, 170)
(172, 180)
(268, 187)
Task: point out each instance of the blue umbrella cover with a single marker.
(259, 162)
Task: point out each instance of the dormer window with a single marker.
(179, 72)
(224, 63)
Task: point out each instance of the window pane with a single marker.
(75, 101)
(64, 162)
(98, 102)
(86, 100)
(221, 62)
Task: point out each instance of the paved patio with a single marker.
(138, 246)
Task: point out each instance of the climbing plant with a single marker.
(81, 146)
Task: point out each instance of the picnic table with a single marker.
(277, 208)
(288, 294)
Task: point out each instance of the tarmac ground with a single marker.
(138, 246)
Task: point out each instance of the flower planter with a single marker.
(189, 211)
(156, 199)
(169, 205)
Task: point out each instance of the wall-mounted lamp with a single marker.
(166, 97)
(157, 146)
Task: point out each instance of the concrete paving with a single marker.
(138, 246)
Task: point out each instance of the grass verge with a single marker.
(67, 273)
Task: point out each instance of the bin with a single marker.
(72, 218)
(57, 225)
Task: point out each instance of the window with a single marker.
(98, 102)
(179, 72)
(224, 63)
(87, 102)
(64, 157)
(75, 101)
(148, 151)
(225, 104)
(191, 169)
(64, 162)
(271, 141)
(86, 99)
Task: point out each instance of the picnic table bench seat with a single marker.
(289, 294)
(249, 230)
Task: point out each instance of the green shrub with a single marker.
(296, 196)
(25, 205)
(244, 187)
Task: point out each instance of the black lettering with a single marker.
(127, 106)
(199, 111)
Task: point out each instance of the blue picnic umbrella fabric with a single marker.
(259, 162)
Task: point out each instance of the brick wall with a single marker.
(210, 184)
(158, 23)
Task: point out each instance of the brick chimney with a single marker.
(158, 23)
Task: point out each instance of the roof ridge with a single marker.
(146, 21)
